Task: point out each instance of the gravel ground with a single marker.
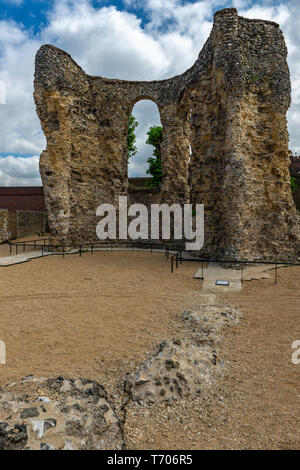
(99, 316)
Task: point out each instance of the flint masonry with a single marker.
(229, 108)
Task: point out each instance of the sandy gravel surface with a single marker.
(92, 316)
(98, 316)
(257, 404)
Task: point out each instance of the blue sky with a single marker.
(129, 39)
(32, 14)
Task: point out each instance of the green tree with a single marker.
(155, 166)
(294, 185)
(131, 137)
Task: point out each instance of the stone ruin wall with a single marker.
(230, 107)
(4, 229)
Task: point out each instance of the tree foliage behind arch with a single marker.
(131, 137)
(155, 134)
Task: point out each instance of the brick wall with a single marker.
(22, 198)
(295, 165)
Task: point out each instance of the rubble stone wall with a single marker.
(4, 230)
(230, 107)
(31, 223)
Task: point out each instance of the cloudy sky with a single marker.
(127, 39)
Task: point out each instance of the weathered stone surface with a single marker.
(4, 231)
(56, 414)
(177, 370)
(241, 141)
(183, 367)
(208, 322)
(230, 107)
(31, 223)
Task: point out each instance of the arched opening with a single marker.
(144, 162)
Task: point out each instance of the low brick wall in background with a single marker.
(31, 223)
(4, 231)
(24, 198)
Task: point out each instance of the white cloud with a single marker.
(287, 14)
(106, 41)
(279, 13)
(19, 171)
(19, 125)
(112, 43)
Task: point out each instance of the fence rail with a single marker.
(177, 259)
(44, 246)
(176, 256)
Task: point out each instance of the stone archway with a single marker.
(230, 106)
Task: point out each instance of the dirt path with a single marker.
(94, 316)
(258, 403)
(263, 386)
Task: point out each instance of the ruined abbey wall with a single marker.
(230, 107)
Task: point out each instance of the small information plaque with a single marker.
(222, 283)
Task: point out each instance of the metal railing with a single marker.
(45, 246)
(177, 259)
(175, 254)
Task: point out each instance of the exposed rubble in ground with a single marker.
(183, 367)
(177, 370)
(181, 371)
(49, 414)
(55, 414)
